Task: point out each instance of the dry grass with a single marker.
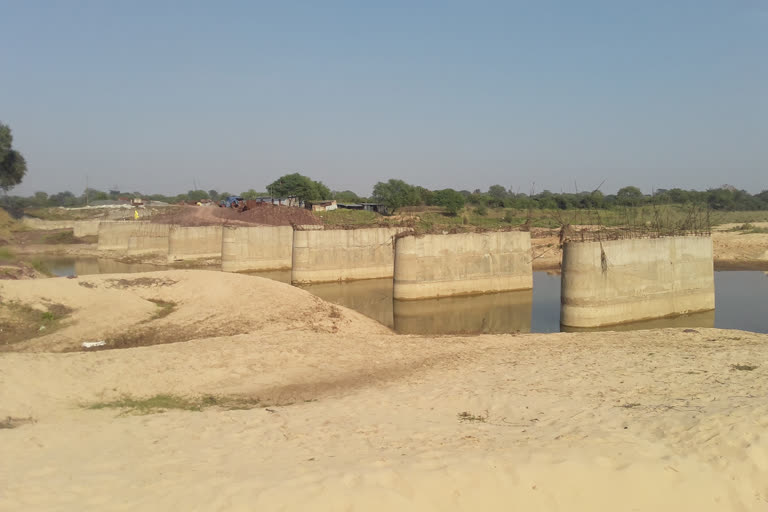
(140, 282)
(165, 308)
(149, 335)
(62, 237)
(19, 322)
(13, 422)
(165, 402)
(468, 417)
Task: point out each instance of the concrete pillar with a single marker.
(343, 254)
(432, 266)
(256, 248)
(618, 281)
(83, 228)
(114, 235)
(194, 243)
(149, 238)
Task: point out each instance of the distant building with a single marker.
(370, 207)
(376, 207)
(281, 201)
(321, 206)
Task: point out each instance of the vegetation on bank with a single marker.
(13, 166)
(398, 194)
(432, 218)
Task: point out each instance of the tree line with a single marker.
(397, 194)
(394, 193)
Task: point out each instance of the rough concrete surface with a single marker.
(255, 248)
(340, 255)
(612, 282)
(431, 266)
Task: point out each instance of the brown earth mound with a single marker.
(259, 214)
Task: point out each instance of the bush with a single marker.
(481, 210)
(449, 199)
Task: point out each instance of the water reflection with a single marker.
(704, 319)
(372, 297)
(496, 313)
(742, 300)
(63, 266)
(281, 276)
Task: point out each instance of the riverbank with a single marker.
(733, 249)
(312, 406)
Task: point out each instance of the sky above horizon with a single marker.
(164, 95)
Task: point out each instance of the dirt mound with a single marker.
(173, 306)
(258, 214)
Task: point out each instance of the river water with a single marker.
(741, 298)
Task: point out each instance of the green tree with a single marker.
(65, 198)
(592, 200)
(41, 199)
(91, 194)
(300, 186)
(721, 199)
(346, 196)
(197, 195)
(426, 196)
(449, 199)
(396, 194)
(629, 196)
(498, 193)
(13, 167)
(250, 194)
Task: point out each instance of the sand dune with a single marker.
(175, 305)
(366, 420)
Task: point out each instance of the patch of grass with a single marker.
(11, 422)
(468, 417)
(7, 255)
(335, 312)
(747, 229)
(342, 218)
(19, 322)
(165, 308)
(62, 237)
(140, 282)
(631, 405)
(41, 267)
(165, 402)
(744, 367)
(156, 403)
(150, 334)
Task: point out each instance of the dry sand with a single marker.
(175, 305)
(362, 419)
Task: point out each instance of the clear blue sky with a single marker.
(153, 95)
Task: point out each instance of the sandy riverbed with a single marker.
(353, 417)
